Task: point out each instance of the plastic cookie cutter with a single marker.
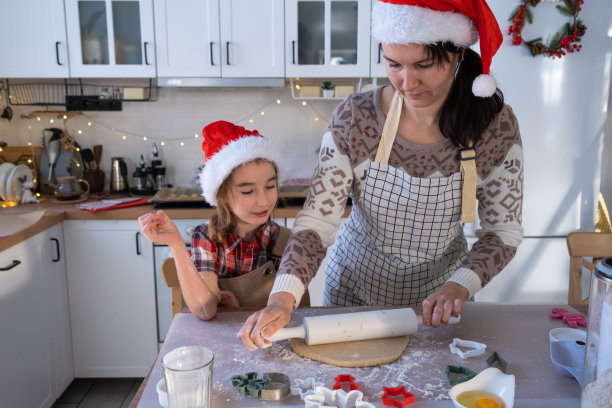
(476, 348)
(458, 374)
(496, 359)
(276, 386)
(569, 318)
(390, 393)
(345, 378)
(304, 387)
(325, 398)
(248, 384)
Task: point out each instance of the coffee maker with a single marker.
(118, 179)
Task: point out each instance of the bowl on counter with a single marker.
(492, 381)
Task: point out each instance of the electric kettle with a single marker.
(118, 178)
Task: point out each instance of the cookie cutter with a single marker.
(476, 348)
(248, 384)
(345, 378)
(569, 318)
(276, 386)
(303, 387)
(325, 398)
(458, 374)
(389, 393)
(496, 359)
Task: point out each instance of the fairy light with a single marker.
(278, 101)
(38, 118)
(51, 120)
(145, 138)
(29, 143)
(250, 120)
(163, 143)
(304, 103)
(80, 132)
(65, 117)
(124, 137)
(262, 113)
(317, 118)
(182, 143)
(29, 127)
(196, 135)
(88, 123)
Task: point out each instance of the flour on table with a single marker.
(598, 394)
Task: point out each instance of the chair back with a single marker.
(583, 245)
(168, 270)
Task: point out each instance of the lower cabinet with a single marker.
(112, 298)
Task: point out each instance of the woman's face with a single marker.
(421, 80)
(252, 194)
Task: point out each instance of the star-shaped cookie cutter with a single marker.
(458, 374)
(476, 348)
(345, 378)
(304, 387)
(389, 393)
(326, 398)
(248, 384)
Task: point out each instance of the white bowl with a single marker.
(162, 392)
(491, 380)
(567, 334)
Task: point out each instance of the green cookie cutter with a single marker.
(458, 374)
(248, 384)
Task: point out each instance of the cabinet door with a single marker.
(377, 62)
(25, 368)
(252, 36)
(110, 38)
(317, 48)
(187, 38)
(112, 298)
(33, 39)
(53, 268)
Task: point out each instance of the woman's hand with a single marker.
(264, 323)
(444, 303)
(159, 228)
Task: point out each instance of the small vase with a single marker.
(328, 93)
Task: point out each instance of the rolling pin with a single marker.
(337, 328)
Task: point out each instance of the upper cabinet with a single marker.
(33, 39)
(212, 38)
(377, 62)
(327, 38)
(110, 38)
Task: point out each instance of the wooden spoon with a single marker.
(97, 150)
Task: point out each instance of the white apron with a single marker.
(403, 238)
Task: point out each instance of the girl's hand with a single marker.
(159, 228)
(444, 303)
(229, 299)
(262, 324)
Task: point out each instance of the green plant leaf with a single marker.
(565, 10)
(514, 13)
(528, 15)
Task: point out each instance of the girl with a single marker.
(240, 248)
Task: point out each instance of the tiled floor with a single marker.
(99, 393)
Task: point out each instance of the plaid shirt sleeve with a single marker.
(203, 250)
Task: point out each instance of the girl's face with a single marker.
(421, 80)
(253, 193)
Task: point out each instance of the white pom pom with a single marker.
(484, 86)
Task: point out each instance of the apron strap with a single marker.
(281, 242)
(468, 194)
(390, 129)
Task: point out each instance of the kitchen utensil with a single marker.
(118, 183)
(97, 151)
(491, 380)
(70, 188)
(354, 326)
(5, 171)
(53, 152)
(88, 157)
(568, 358)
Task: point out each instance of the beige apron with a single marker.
(252, 289)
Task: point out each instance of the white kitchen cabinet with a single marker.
(110, 38)
(327, 38)
(33, 39)
(112, 298)
(212, 38)
(377, 62)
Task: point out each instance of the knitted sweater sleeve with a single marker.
(500, 198)
(316, 224)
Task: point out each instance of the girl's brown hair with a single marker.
(224, 221)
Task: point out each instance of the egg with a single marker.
(480, 399)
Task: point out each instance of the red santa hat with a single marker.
(461, 22)
(227, 146)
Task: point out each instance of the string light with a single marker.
(80, 132)
(51, 120)
(88, 123)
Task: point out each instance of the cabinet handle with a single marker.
(11, 266)
(293, 51)
(138, 243)
(379, 50)
(57, 43)
(212, 63)
(227, 52)
(57, 249)
(146, 54)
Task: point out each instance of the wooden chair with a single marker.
(581, 245)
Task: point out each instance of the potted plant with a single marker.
(328, 89)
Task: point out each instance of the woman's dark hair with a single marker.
(464, 116)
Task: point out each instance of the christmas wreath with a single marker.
(565, 40)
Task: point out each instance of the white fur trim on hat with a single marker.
(232, 155)
(484, 86)
(401, 24)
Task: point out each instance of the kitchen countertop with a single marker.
(518, 332)
(60, 211)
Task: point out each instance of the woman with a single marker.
(413, 157)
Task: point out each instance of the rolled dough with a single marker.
(361, 353)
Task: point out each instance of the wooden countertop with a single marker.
(518, 332)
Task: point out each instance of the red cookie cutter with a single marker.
(571, 319)
(345, 378)
(396, 392)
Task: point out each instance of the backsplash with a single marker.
(173, 121)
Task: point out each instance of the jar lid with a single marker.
(604, 269)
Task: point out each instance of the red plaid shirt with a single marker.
(236, 256)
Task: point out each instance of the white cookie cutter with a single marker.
(326, 398)
(476, 348)
(304, 387)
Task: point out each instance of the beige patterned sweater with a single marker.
(350, 144)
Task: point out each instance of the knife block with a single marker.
(95, 178)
